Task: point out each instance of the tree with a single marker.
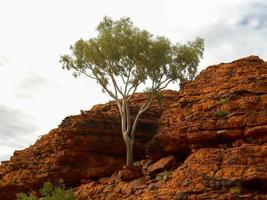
(122, 57)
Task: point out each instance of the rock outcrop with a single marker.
(207, 141)
(216, 128)
(85, 146)
(209, 173)
(225, 103)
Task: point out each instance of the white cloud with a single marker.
(3, 60)
(15, 126)
(35, 33)
(238, 35)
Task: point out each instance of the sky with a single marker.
(36, 93)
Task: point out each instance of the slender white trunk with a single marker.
(125, 128)
(129, 150)
(128, 131)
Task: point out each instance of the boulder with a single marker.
(161, 165)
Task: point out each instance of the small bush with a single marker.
(220, 113)
(163, 176)
(235, 190)
(49, 192)
(258, 97)
(47, 189)
(223, 101)
(22, 196)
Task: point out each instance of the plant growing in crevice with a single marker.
(258, 97)
(220, 113)
(235, 190)
(163, 176)
(223, 101)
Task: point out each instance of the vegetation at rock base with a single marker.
(163, 176)
(220, 113)
(49, 192)
(122, 58)
(235, 190)
(223, 101)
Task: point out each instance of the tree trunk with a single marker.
(129, 152)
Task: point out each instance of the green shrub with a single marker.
(49, 192)
(163, 176)
(47, 189)
(220, 113)
(223, 101)
(22, 196)
(235, 190)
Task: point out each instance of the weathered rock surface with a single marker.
(224, 103)
(217, 125)
(85, 146)
(208, 173)
(161, 165)
(211, 136)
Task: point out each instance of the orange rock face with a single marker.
(83, 147)
(224, 103)
(211, 136)
(209, 173)
(218, 125)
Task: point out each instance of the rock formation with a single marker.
(207, 141)
(85, 146)
(225, 103)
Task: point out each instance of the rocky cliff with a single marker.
(84, 147)
(207, 141)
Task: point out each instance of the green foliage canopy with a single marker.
(122, 51)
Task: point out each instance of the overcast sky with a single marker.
(36, 94)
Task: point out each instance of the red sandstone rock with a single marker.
(215, 173)
(224, 103)
(83, 147)
(216, 124)
(130, 173)
(221, 117)
(162, 165)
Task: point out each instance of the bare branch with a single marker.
(127, 81)
(119, 106)
(84, 72)
(104, 86)
(128, 117)
(134, 87)
(123, 80)
(111, 75)
(130, 96)
(161, 88)
(143, 108)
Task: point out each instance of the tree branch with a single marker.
(161, 88)
(127, 81)
(103, 86)
(143, 108)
